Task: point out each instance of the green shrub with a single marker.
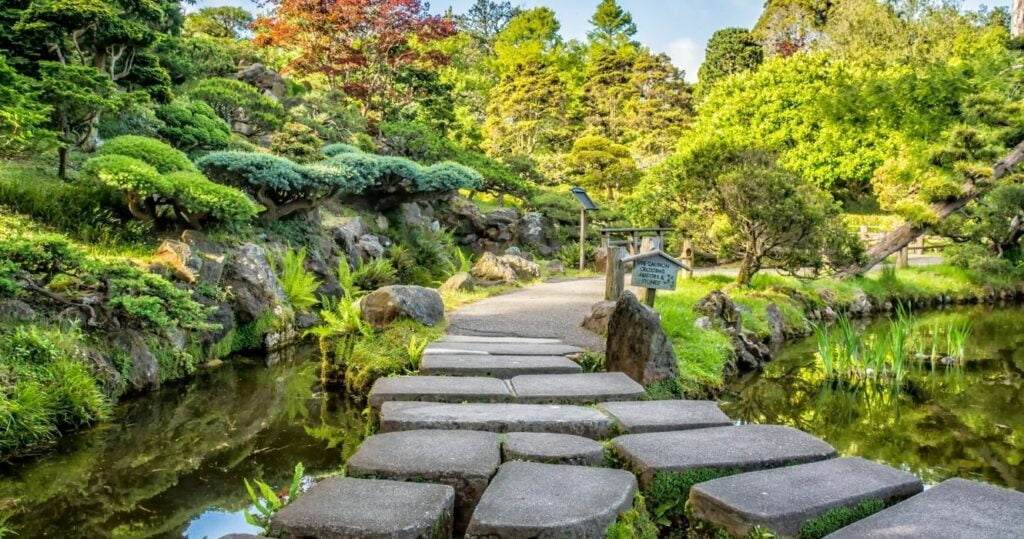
(48, 386)
(977, 257)
(373, 275)
(140, 183)
(138, 298)
(450, 176)
(299, 283)
(635, 523)
(39, 257)
(228, 96)
(22, 118)
(134, 119)
(297, 141)
(192, 125)
(839, 517)
(334, 149)
(151, 151)
(197, 200)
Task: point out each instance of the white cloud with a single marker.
(687, 55)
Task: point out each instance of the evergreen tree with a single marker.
(730, 50)
(613, 26)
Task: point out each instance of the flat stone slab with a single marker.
(502, 349)
(529, 499)
(743, 447)
(372, 508)
(495, 339)
(954, 508)
(660, 416)
(552, 448)
(575, 388)
(496, 366)
(782, 500)
(438, 389)
(559, 419)
(464, 460)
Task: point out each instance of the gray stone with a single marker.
(439, 389)
(514, 251)
(954, 508)
(256, 289)
(412, 214)
(666, 415)
(504, 367)
(582, 388)
(346, 233)
(776, 322)
(267, 80)
(560, 419)
(524, 268)
(369, 247)
(861, 306)
(533, 229)
(597, 319)
(744, 448)
(387, 304)
(144, 372)
(556, 267)
(15, 310)
(782, 500)
(348, 507)
(495, 339)
(503, 348)
(637, 345)
(242, 536)
(501, 225)
(461, 281)
(548, 501)
(463, 459)
(552, 448)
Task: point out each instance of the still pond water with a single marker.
(172, 464)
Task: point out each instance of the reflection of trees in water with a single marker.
(962, 422)
(180, 451)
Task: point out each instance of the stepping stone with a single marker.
(552, 448)
(502, 349)
(781, 500)
(348, 507)
(438, 389)
(559, 419)
(529, 499)
(497, 366)
(464, 460)
(660, 416)
(489, 339)
(953, 508)
(743, 448)
(575, 388)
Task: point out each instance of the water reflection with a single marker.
(961, 421)
(174, 461)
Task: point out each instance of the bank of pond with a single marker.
(172, 463)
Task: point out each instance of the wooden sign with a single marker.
(654, 270)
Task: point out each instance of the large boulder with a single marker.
(501, 225)
(385, 305)
(256, 289)
(346, 233)
(637, 345)
(16, 311)
(504, 268)
(270, 82)
(597, 319)
(533, 228)
(143, 369)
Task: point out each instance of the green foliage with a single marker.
(48, 386)
(267, 503)
(38, 257)
(299, 284)
(839, 517)
(192, 126)
(227, 96)
(384, 353)
(634, 524)
(332, 150)
(591, 361)
(22, 117)
(77, 96)
(730, 50)
(157, 154)
(297, 141)
(221, 21)
(599, 164)
(375, 274)
(198, 200)
(146, 300)
(340, 331)
(668, 492)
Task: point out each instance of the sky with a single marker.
(680, 28)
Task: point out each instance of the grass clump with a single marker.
(386, 353)
(839, 517)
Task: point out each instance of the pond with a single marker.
(172, 462)
(964, 421)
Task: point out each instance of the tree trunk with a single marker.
(62, 165)
(901, 236)
(1017, 18)
(748, 267)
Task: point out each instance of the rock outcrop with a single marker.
(270, 82)
(505, 268)
(597, 319)
(256, 289)
(720, 312)
(461, 281)
(385, 305)
(637, 345)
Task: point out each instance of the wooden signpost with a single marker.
(654, 270)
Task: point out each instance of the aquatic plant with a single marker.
(826, 350)
(268, 503)
(957, 334)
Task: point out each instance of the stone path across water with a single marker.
(514, 466)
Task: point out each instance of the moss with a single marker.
(839, 517)
(385, 353)
(249, 336)
(668, 492)
(635, 523)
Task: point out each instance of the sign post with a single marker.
(654, 270)
(586, 205)
(614, 274)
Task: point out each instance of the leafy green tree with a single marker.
(239, 103)
(192, 125)
(76, 95)
(220, 21)
(729, 51)
(600, 164)
(22, 117)
(613, 26)
(199, 56)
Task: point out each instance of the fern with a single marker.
(267, 503)
(414, 349)
(299, 284)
